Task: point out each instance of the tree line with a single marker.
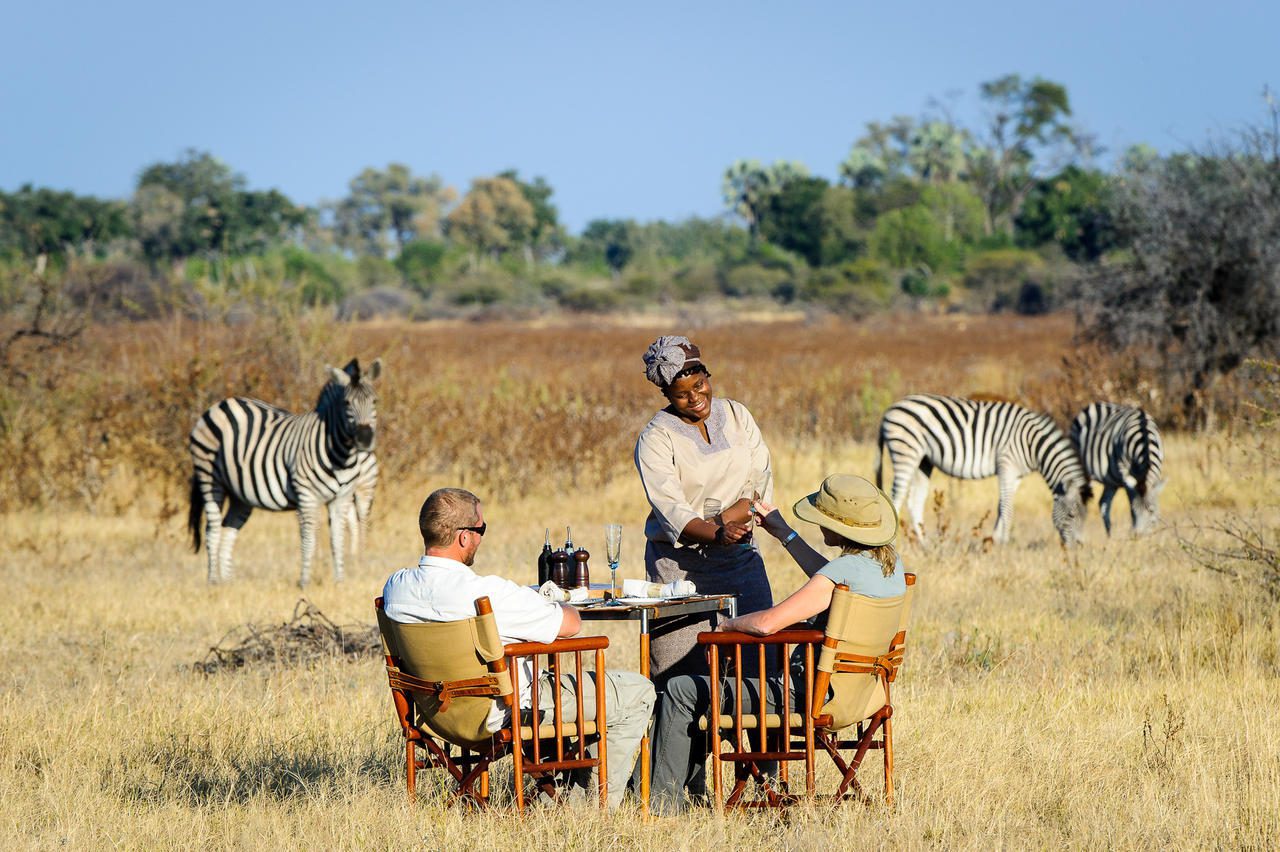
(1177, 254)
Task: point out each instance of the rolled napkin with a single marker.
(645, 589)
(555, 593)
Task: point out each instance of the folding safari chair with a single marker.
(858, 658)
(444, 679)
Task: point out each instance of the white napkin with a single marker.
(555, 593)
(644, 589)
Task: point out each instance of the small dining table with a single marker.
(647, 611)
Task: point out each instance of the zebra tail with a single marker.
(879, 454)
(195, 514)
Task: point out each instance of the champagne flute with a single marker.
(613, 553)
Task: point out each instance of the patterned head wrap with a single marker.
(667, 356)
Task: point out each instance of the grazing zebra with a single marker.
(1120, 447)
(358, 508)
(255, 455)
(975, 439)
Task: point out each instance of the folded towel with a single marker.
(643, 589)
(555, 593)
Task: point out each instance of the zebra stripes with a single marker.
(975, 439)
(1121, 448)
(252, 455)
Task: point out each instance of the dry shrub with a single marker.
(307, 637)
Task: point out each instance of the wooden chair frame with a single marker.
(778, 736)
(777, 731)
(548, 751)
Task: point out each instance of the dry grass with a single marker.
(1122, 699)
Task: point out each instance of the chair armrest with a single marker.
(560, 646)
(790, 636)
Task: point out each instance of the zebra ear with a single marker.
(353, 369)
(338, 377)
(375, 369)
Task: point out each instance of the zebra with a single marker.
(975, 439)
(256, 455)
(361, 503)
(1121, 448)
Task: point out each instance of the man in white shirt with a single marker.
(444, 588)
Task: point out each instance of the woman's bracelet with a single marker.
(791, 536)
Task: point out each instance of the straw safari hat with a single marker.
(852, 507)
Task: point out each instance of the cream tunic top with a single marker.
(679, 470)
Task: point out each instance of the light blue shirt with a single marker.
(865, 576)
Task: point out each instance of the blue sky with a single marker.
(628, 110)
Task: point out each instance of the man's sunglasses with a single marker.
(477, 530)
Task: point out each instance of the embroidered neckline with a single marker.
(715, 427)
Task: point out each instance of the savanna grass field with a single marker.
(1122, 696)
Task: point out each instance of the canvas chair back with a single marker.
(868, 629)
(445, 667)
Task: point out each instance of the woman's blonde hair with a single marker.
(885, 554)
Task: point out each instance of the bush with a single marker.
(591, 300)
(378, 302)
(753, 279)
(421, 263)
(1003, 279)
(374, 272)
(317, 284)
(854, 287)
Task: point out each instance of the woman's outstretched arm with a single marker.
(806, 602)
(770, 519)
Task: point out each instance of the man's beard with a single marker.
(469, 559)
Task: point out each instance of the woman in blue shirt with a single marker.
(855, 516)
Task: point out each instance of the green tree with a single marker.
(42, 221)
(611, 241)
(1072, 209)
(880, 154)
(936, 152)
(494, 217)
(385, 210)
(1027, 134)
(792, 217)
(198, 206)
(546, 237)
(748, 185)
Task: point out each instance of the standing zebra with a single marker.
(258, 456)
(1120, 447)
(975, 439)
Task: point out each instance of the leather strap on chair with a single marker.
(886, 664)
(445, 690)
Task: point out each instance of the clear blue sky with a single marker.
(628, 110)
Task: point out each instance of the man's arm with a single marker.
(571, 622)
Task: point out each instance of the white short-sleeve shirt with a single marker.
(441, 589)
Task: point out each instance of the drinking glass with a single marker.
(613, 553)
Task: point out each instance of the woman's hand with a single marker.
(770, 519)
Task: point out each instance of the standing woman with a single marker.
(696, 454)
